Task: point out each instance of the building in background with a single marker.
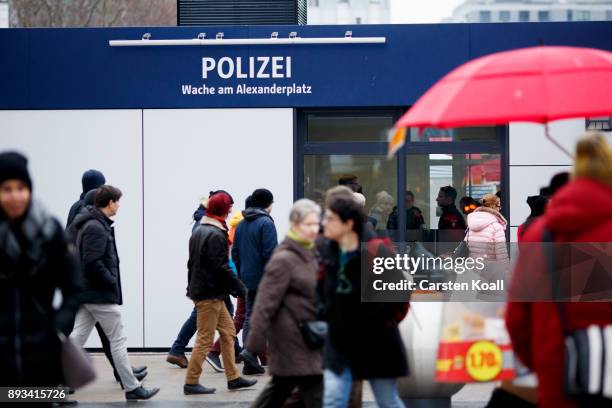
(4, 14)
(349, 12)
(505, 11)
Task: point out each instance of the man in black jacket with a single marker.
(91, 180)
(210, 280)
(102, 296)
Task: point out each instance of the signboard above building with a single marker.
(78, 69)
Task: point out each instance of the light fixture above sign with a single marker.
(603, 124)
(274, 39)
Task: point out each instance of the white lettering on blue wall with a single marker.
(253, 67)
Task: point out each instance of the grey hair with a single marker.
(360, 198)
(302, 208)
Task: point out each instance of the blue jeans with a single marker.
(337, 390)
(189, 329)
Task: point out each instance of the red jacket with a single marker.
(579, 212)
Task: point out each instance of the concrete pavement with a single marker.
(104, 391)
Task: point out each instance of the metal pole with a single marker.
(553, 141)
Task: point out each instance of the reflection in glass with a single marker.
(376, 176)
(324, 128)
(466, 134)
(471, 175)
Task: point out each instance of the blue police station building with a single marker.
(168, 123)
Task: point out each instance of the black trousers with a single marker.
(279, 389)
(107, 350)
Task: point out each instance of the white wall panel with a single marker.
(528, 144)
(60, 146)
(187, 153)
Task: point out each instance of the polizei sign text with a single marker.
(237, 69)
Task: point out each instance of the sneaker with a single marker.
(215, 362)
(240, 382)
(180, 361)
(193, 389)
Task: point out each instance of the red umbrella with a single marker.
(538, 84)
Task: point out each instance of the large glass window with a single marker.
(453, 135)
(348, 128)
(470, 176)
(504, 16)
(484, 16)
(374, 174)
(544, 15)
(402, 194)
(523, 16)
(583, 15)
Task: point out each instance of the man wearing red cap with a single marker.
(210, 280)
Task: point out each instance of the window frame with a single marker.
(302, 147)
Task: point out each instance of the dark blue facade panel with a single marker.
(77, 69)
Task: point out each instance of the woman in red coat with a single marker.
(579, 212)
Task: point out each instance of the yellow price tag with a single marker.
(484, 360)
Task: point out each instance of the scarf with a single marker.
(295, 237)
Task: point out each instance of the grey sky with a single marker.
(421, 11)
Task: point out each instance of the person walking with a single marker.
(536, 204)
(102, 296)
(176, 355)
(286, 296)
(91, 180)
(254, 241)
(210, 280)
(34, 262)
(355, 326)
(579, 212)
(239, 315)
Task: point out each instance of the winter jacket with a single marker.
(581, 211)
(355, 327)
(75, 209)
(486, 236)
(451, 219)
(234, 221)
(209, 275)
(254, 241)
(289, 283)
(97, 249)
(414, 219)
(34, 262)
(197, 215)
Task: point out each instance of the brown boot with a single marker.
(180, 361)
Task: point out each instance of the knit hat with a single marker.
(14, 166)
(219, 204)
(248, 203)
(211, 193)
(262, 198)
(92, 179)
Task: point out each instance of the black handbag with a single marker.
(314, 332)
(463, 249)
(587, 368)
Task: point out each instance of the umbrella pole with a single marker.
(553, 141)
